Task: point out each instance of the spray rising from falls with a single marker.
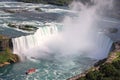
(79, 36)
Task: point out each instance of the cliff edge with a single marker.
(6, 55)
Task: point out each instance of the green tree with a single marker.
(116, 64)
(94, 75)
(108, 70)
(106, 78)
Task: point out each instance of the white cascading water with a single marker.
(78, 36)
(104, 44)
(42, 35)
(23, 43)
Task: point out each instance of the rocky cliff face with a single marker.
(4, 42)
(6, 55)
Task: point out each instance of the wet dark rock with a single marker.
(4, 42)
(23, 26)
(113, 30)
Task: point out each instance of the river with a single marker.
(50, 67)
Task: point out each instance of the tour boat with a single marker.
(31, 71)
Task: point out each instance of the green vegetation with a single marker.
(7, 56)
(118, 57)
(94, 75)
(107, 71)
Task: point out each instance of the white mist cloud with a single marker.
(79, 33)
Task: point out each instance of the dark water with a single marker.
(6, 0)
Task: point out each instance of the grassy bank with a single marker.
(7, 57)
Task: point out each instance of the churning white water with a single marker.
(24, 43)
(43, 35)
(59, 52)
(79, 35)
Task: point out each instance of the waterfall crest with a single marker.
(103, 46)
(24, 43)
(21, 44)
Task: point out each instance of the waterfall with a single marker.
(24, 43)
(103, 46)
(21, 44)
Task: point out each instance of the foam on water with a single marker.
(24, 43)
(56, 10)
(59, 52)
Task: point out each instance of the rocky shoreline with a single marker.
(109, 59)
(11, 61)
